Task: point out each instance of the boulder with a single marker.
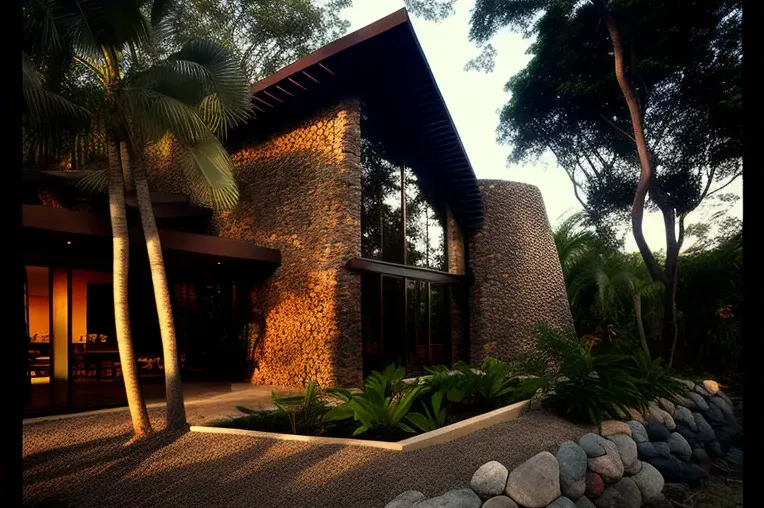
(592, 444)
(406, 499)
(725, 397)
(705, 433)
(714, 416)
(458, 498)
(500, 502)
(610, 427)
(686, 382)
(635, 414)
(490, 479)
(700, 402)
(638, 432)
(646, 451)
(656, 414)
(666, 405)
(610, 498)
(676, 471)
(584, 502)
(594, 484)
(711, 386)
(536, 482)
(627, 450)
(571, 459)
(562, 502)
(630, 493)
(657, 431)
(663, 449)
(700, 389)
(649, 481)
(688, 434)
(609, 466)
(684, 401)
(683, 416)
(679, 446)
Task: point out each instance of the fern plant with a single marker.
(304, 411)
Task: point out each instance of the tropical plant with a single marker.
(434, 415)
(491, 384)
(192, 96)
(304, 411)
(382, 405)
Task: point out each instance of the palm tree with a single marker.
(191, 96)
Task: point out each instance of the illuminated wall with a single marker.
(300, 192)
(80, 281)
(518, 278)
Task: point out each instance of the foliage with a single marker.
(434, 415)
(490, 384)
(305, 411)
(381, 406)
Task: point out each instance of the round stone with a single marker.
(700, 389)
(679, 446)
(609, 466)
(584, 502)
(406, 499)
(610, 427)
(657, 431)
(705, 432)
(610, 498)
(592, 444)
(663, 449)
(683, 416)
(649, 481)
(536, 482)
(714, 416)
(594, 484)
(458, 498)
(725, 397)
(711, 386)
(646, 451)
(572, 461)
(700, 402)
(490, 479)
(676, 471)
(635, 414)
(627, 450)
(666, 405)
(638, 432)
(632, 497)
(684, 401)
(562, 502)
(688, 434)
(656, 414)
(500, 502)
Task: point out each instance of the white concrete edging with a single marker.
(435, 437)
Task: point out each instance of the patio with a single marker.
(83, 460)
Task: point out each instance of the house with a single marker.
(362, 237)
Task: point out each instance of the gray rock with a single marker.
(657, 431)
(667, 405)
(592, 445)
(684, 416)
(646, 451)
(656, 414)
(679, 446)
(572, 461)
(490, 479)
(700, 402)
(663, 449)
(627, 450)
(610, 427)
(500, 502)
(686, 382)
(611, 498)
(649, 481)
(562, 502)
(630, 493)
(684, 401)
(536, 482)
(638, 432)
(406, 499)
(583, 502)
(459, 498)
(700, 389)
(688, 434)
(705, 433)
(675, 471)
(609, 466)
(714, 416)
(725, 397)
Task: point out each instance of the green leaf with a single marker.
(419, 420)
(337, 413)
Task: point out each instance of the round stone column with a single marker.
(518, 280)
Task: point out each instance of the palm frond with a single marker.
(153, 114)
(95, 181)
(209, 172)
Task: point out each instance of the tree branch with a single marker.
(613, 125)
(734, 177)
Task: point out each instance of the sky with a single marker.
(474, 99)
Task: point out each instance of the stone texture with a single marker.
(667, 405)
(300, 192)
(562, 502)
(571, 459)
(594, 484)
(656, 414)
(705, 433)
(513, 290)
(711, 386)
(679, 446)
(684, 416)
(674, 470)
(609, 466)
(684, 401)
(714, 415)
(657, 431)
(610, 427)
(726, 398)
(610, 498)
(536, 482)
(490, 479)
(592, 444)
(584, 502)
(627, 451)
(638, 432)
(636, 415)
(649, 481)
(406, 499)
(700, 402)
(722, 404)
(500, 502)
(663, 449)
(458, 498)
(646, 451)
(458, 297)
(700, 389)
(630, 493)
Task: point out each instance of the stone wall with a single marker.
(458, 296)
(300, 192)
(518, 279)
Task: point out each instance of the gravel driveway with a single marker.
(85, 461)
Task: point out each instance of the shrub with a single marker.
(305, 412)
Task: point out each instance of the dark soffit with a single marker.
(383, 64)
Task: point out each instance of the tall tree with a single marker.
(190, 96)
(632, 97)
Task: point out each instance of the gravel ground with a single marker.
(87, 462)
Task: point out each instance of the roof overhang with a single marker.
(383, 64)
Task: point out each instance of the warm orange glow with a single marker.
(68, 242)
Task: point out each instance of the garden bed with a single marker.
(442, 435)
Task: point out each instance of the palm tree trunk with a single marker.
(640, 326)
(176, 412)
(120, 239)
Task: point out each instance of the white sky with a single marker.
(474, 99)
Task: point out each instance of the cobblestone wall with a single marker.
(518, 278)
(300, 192)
